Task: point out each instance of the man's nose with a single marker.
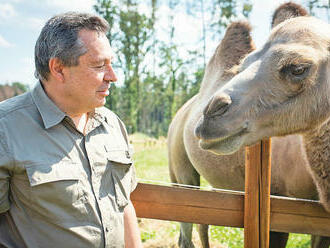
(110, 74)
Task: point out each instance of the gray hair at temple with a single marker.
(59, 39)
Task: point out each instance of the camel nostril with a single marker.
(198, 128)
(218, 105)
(197, 132)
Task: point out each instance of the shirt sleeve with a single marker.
(4, 175)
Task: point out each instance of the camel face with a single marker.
(283, 88)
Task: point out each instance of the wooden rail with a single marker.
(226, 208)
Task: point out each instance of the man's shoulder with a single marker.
(14, 104)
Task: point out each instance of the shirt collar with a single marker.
(99, 115)
(51, 115)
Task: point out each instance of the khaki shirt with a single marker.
(59, 188)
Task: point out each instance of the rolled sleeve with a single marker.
(4, 176)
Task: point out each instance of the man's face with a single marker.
(87, 84)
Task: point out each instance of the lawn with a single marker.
(151, 164)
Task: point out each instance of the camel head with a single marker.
(282, 88)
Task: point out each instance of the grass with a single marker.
(152, 164)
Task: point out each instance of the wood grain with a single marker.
(225, 208)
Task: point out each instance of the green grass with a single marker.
(138, 136)
(147, 235)
(152, 164)
(299, 241)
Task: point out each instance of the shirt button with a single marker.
(127, 154)
(106, 229)
(100, 198)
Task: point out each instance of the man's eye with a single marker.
(100, 66)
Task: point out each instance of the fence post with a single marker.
(257, 195)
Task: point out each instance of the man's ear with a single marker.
(56, 69)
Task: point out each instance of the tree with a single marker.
(157, 78)
(14, 89)
(319, 5)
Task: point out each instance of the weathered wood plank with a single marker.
(251, 200)
(264, 190)
(226, 209)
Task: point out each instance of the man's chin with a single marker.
(100, 102)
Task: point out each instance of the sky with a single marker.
(22, 20)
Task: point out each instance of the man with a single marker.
(66, 172)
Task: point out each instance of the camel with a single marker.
(281, 89)
(190, 156)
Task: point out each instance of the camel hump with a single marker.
(235, 45)
(286, 11)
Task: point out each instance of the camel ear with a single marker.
(287, 11)
(235, 45)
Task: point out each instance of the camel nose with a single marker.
(218, 105)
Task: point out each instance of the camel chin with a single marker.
(226, 146)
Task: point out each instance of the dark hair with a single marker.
(59, 39)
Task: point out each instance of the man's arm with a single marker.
(132, 232)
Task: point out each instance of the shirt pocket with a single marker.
(121, 163)
(55, 190)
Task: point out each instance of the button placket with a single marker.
(95, 183)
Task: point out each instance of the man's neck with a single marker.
(79, 118)
(80, 121)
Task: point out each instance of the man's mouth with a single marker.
(104, 92)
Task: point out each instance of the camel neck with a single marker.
(317, 144)
(317, 147)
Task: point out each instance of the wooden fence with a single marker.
(256, 211)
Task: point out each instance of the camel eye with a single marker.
(296, 72)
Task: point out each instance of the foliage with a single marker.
(18, 85)
(147, 235)
(12, 89)
(159, 75)
(299, 241)
(314, 5)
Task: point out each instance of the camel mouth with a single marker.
(225, 145)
